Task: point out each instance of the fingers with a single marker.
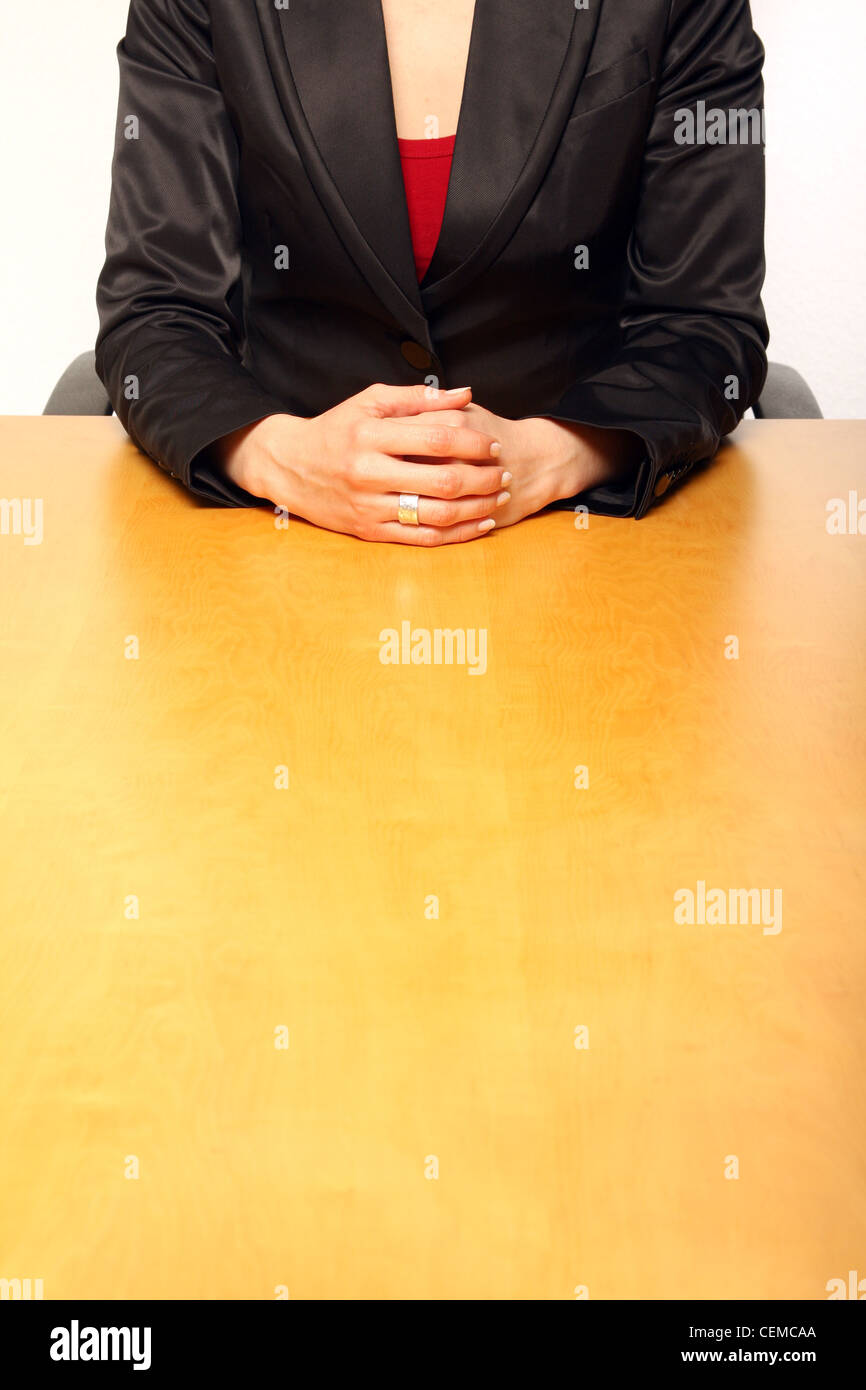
(452, 478)
(433, 512)
(407, 400)
(406, 437)
(446, 480)
(430, 536)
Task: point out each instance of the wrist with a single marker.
(587, 456)
(556, 455)
(249, 456)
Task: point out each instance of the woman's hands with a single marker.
(344, 469)
(550, 459)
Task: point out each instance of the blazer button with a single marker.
(662, 485)
(416, 355)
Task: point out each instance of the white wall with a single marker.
(58, 92)
(58, 106)
(815, 293)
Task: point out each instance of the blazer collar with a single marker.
(526, 61)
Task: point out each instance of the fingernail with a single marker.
(455, 390)
(503, 498)
(506, 478)
(495, 449)
(487, 525)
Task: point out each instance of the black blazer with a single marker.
(258, 254)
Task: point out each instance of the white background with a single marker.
(58, 93)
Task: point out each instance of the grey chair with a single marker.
(785, 396)
(79, 390)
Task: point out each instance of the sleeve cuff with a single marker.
(618, 498)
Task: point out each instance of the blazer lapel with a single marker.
(526, 63)
(337, 56)
(329, 60)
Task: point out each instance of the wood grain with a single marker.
(409, 1036)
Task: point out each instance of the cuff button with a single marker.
(662, 485)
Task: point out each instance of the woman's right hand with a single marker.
(344, 469)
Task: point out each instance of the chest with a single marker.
(428, 47)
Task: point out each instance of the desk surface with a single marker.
(414, 789)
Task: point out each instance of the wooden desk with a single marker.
(307, 908)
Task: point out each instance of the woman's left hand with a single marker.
(548, 459)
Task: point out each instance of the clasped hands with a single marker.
(472, 470)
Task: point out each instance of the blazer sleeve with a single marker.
(691, 356)
(169, 294)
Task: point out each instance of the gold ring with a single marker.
(407, 511)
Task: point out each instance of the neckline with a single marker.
(427, 148)
(471, 56)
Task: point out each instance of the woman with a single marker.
(291, 311)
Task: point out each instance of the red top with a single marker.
(426, 169)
